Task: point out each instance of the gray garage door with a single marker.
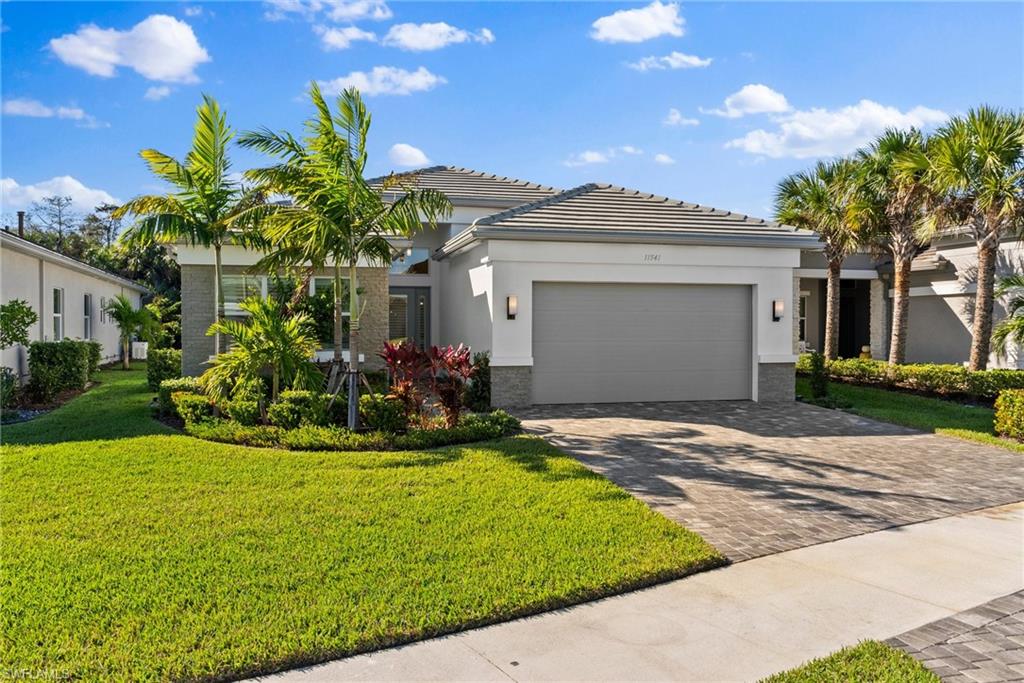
(606, 343)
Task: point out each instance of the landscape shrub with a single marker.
(94, 351)
(228, 431)
(381, 413)
(252, 389)
(1010, 414)
(162, 364)
(450, 369)
(8, 387)
(284, 415)
(988, 384)
(55, 367)
(168, 387)
(478, 391)
(246, 413)
(311, 405)
(931, 378)
(819, 376)
(191, 408)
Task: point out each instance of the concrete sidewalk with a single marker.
(737, 623)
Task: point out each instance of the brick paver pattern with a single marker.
(759, 478)
(977, 646)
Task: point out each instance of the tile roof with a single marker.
(474, 186)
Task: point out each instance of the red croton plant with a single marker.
(444, 370)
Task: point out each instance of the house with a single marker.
(593, 294)
(68, 296)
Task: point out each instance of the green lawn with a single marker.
(868, 661)
(132, 552)
(920, 412)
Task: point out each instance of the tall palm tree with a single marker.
(1010, 328)
(131, 322)
(204, 200)
(974, 168)
(822, 200)
(891, 205)
(334, 217)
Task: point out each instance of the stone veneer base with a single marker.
(511, 385)
(776, 382)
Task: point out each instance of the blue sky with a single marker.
(560, 94)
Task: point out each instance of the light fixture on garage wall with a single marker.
(511, 306)
(778, 307)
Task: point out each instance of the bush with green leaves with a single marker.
(312, 405)
(162, 364)
(381, 413)
(191, 408)
(8, 387)
(1010, 414)
(56, 367)
(168, 387)
(819, 376)
(244, 412)
(284, 415)
(478, 390)
(95, 354)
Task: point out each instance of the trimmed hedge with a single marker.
(162, 364)
(379, 413)
(1010, 414)
(55, 367)
(192, 408)
(333, 438)
(931, 378)
(168, 387)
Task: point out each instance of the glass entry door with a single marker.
(409, 315)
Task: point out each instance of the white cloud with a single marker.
(333, 10)
(157, 92)
(14, 197)
(385, 80)
(24, 106)
(342, 38)
(663, 159)
(593, 156)
(193, 11)
(754, 98)
(402, 154)
(160, 47)
(675, 118)
(432, 36)
(673, 60)
(638, 25)
(823, 132)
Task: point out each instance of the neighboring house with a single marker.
(68, 296)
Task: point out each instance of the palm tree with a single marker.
(130, 322)
(266, 340)
(204, 200)
(335, 218)
(821, 200)
(891, 204)
(974, 168)
(1010, 328)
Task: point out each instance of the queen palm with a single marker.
(131, 322)
(821, 200)
(974, 168)
(891, 205)
(199, 209)
(334, 217)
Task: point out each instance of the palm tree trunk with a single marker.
(275, 385)
(900, 312)
(832, 310)
(988, 248)
(218, 287)
(353, 347)
(339, 309)
(126, 348)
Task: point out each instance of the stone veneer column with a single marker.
(511, 385)
(776, 382)
(374, 323)
(198, 310)
(796, 314)
(877, 331)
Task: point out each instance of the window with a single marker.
(87, 316)
(412, 262)
(803, 316)
(238, 288)
(103, 310)
(58, 314)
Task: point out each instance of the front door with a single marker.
(409, 314)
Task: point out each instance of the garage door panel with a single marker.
(640, 342)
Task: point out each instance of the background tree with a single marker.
(16, 316)
(891, 205)
(131, 322)
(204, 201)
(335, 218)
(55, 215)
(821, 200)
(974, 169)
(1010, 328)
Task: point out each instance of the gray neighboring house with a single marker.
(68, 296)
(593, 294)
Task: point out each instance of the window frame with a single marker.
(57, 297)
(86, 315)
(232, 307)
(801, 324)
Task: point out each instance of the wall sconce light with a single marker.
(778, 306)
(512, 306)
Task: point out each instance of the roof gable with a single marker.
(468, 187)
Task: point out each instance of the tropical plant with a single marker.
(16, 316)
(822, 200)
(204, 201)
(168, 314)
(890, 207)
(334, 218)
(409, 367)
(1010, 328)
(450, 369)
(131, 322)
(974, 169)
(266, 341)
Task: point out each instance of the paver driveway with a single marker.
(759, 478)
